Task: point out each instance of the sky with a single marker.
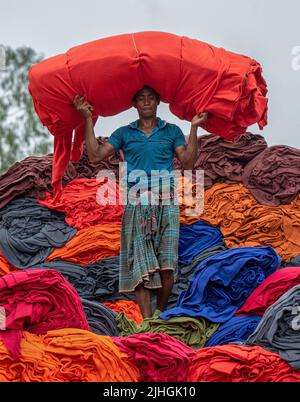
(266, 30)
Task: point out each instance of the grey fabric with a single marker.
(101, 319)
(29, 232)
(278, 330)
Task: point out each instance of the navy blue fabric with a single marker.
(195, 238)
(237, 329)
(222, 283)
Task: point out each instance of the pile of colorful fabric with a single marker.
(234, 311)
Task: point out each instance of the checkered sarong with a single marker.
(149, 244)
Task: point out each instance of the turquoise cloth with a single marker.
(147, 152)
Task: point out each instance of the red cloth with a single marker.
(38, 300)
(82, 201)
(109, 71)
(270, 290)
(234, 363)
(159, 357)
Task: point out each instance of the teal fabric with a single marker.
(147, 152)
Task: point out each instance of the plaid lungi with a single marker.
(149, 244)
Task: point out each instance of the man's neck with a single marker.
(147, 124)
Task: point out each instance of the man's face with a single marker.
(146, 103)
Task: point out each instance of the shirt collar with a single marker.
(160, 123)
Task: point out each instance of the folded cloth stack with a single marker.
(5, 266)
(222, 283)
(83, 202)
(37, 301)
(101, 319)
(67, 355)
(29, 232)
(186, 272)
(191, 331)
(96, 282)
(90, 245)
(235, 330)
(159, 357)
(244, 222)
(129, 307)
(195, 239)
(234, 363)
(278, 330)
(273, 176)
(224, 161)
(270, 290)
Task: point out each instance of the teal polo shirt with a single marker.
(154, 151)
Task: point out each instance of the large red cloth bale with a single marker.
(190, 75)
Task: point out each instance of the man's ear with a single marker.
(133, 104)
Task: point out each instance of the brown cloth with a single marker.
(273, 176)
(32, 176)
(224, 161)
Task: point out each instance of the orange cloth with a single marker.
(234, 363)
(246, 223)
(67, 355)
(130, 308)
(109, 71)
(82, 201)
(90, 245)
(5, 266)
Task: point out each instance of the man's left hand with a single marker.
(199, 119)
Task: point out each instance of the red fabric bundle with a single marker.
(234, 363)
(159, 357)
(270, 290)
(38, 300)
(109, 71)
(83, 202)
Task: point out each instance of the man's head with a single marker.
(146, 101)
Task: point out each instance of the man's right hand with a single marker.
(83, 106)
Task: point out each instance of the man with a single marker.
(149, 236)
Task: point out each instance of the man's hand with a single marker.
(199, 119)
(83, 106)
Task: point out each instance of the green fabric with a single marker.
(191, 331)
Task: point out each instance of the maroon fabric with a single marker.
(158, 356)
(38, 300)
(224, 161)
(273, 176)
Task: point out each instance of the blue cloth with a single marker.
(147, 152)
(195, 238)
(235, 330)
(222, 283)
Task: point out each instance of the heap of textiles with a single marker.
(232, 314)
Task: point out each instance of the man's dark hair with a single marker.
(146, 87)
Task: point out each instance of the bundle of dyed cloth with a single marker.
(186, 272)
(100, 318)
(200, 77)
(295, 262)
(233, 363)
(270, 290)
(273, 176)
(90, 245)
(196, 238)
(5, 266)
(82, 201)
(38, 301)
(30, 232)
(96, 282)
(191, 331)
(159, 357)
(244, 222)
(224, 161)
(236, 329)
(128, 307)
(222, 283)
(278, 330)
(67, 355)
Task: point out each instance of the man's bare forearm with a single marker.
(91, 143)
(191, 152)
